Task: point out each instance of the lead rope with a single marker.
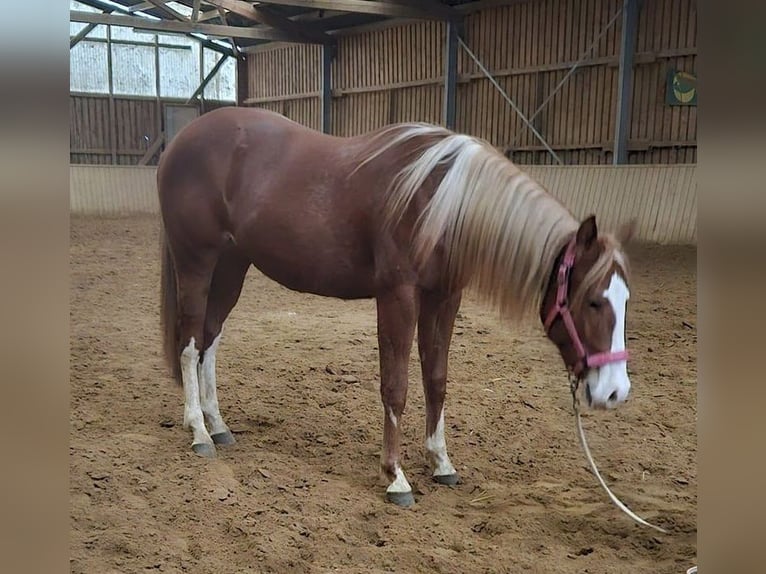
(574, 382)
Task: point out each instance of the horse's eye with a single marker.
(595, 304)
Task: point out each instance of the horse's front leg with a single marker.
(397, 315)
(437, 318)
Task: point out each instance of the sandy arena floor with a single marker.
(298, 384)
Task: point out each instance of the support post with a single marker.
(625, 80)
(243, 79)
(327, 56)
(450, 74)
(201, 79)
(112, 110)
(157, 89)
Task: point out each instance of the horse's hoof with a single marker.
(223, 438)
(403, 499)
(448, 479)
(204, 449)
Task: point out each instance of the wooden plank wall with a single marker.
(387, 76)
(396, 74)
(287, 80)
(93, 136)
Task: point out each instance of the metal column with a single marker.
(243, 79)
(450, 74)
(625, 80)
(328, 51)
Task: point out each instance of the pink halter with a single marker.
(561, 307)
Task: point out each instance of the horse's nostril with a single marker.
(613, 397)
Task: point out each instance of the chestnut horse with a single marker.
(411, 214)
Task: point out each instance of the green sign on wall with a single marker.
(681, 89)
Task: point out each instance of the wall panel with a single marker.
(528, 47)
(98, 136)
(663, 199)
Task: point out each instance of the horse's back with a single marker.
(212, 139)
(281, 191)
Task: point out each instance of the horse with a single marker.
(411, 215)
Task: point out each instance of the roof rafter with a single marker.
(224, 21)
(108, 8)
(476, 5)
(73, 41)
(266, 16)
(435, 10)
(161, 5)
(208, 15)
(183, 27)
(141, 6)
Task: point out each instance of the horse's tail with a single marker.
(169, 308)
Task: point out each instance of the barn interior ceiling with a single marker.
(236, 26)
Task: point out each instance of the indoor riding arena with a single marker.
(595, 100)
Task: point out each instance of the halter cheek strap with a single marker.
(561, 307)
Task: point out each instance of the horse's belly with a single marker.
(316, 268)
(307, 236)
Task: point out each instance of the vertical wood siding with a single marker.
(135, 126)
(396, 74)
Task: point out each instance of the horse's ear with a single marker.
(588, 233)
(627, 231)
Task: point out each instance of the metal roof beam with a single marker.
(434, 10)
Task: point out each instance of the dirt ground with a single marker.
(298, 384)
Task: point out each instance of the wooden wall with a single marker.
(287, 81)
(396, 74)
(101, 132)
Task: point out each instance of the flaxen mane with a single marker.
(501, 230)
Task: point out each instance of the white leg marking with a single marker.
(208, 394)
(436, 446)
(193, 417)
(609, 385)
(392, 416)
(400, 483)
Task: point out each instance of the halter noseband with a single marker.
(561, 307)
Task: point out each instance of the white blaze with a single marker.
(609, 385)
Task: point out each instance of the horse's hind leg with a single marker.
(437, 318)
(194, 273)
(225, 289)
(397, 315)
